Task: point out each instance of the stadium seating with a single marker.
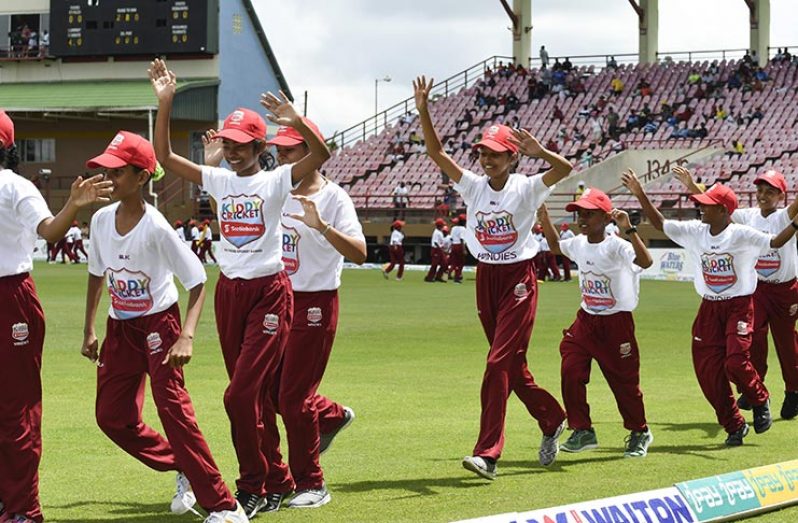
(369, 172)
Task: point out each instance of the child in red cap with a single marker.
(565, 234)
(776, 292)
(457, 257)
(135, 250)
(253, 301)
(23, 217)
(725, 256)
(437, 256)
(501, 212)
(396, 251)
(604, 330)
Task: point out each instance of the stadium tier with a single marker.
(757, 109)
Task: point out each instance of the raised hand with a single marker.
(684, 175)
(91, 190)
(311, 218)
(421, 89)
(213, 149)
(621, 218)
(282, 110)
(630, 181)
(164, 81)
(543, 211)
(527, 144)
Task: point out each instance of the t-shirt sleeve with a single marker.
(180, 260)
(346, 220)
(759, 240)
(567, 247)
(466, 186)
(213, 179)
(31, 207)
(96, 265)
(625, 253)
(535, 191)
(681, 232)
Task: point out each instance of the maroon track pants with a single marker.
(776, 309)
(610, 340)
(507, 297)
(721, 344)
(253, 319)
(132, 350)
(397, 254)
(22, 340)
(457, 260)
(437, 265)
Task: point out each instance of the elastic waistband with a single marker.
(726, 298)
(308, 294)
(15, 277)
(764, 283)
(262, 279)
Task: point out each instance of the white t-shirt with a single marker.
(611, 230)
(567, 234)
(458, 234)
(724, 264)
(499, 224)
(22, 209)
(446, 245)
(181, 233)
(437, 238)
(608, 277)
(778, 265)
(311, 262)
(74, 234)
(195, 233)
(139, 267)
(249, 210)
(397, 237)
(400, 194)
(543, 243)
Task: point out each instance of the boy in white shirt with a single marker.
(604, 330)
(396, 251)
(776, 292)
(566, 234)
(135, 250)
(437, 256)
(725, 255)
(457, 257)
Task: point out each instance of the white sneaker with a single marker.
(228, 516)
(550, 446)
(184, 498)
(311, 498)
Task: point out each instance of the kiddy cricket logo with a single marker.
(290, 249)
(718, 271)
(768, 264)
(242, 219)
(130, 293)
(596, 291)
(495, 231)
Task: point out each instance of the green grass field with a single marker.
(409, 358)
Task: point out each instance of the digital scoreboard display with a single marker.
(133, 27)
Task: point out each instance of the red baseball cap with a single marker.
(444, 229)
(772, 178)
(591, 199)
(564, 227)
(462, 218)
(289, 137)
(243, 126)
(440, 222)
(6, 130)
(126, 149)
(497, 138)
(178, 223)
(718, 194)
(398, 224)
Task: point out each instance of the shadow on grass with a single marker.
(415, 487)
(711, 430)
(123, 512)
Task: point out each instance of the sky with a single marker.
(335, 49)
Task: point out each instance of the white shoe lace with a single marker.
(184, 498)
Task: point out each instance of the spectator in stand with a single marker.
(761, 75)
(512, 103)
(681, 131)
(520, 70)
(734, 81)
(596, 129)
(685, 114)
(557, 114)
(612, 122)
(532, 89)
(720, 113)
(397, 152)
(557, 65)
(584, 112)
(414, 137)
(24, 39)
(33, 44)
(693, 78)
(700, 92)
(737, 149)
(466, 120)
(644, 88)
(552, 145)
(577, 135)
(567, 65)
(757, 114)
(698, 131)
(580, 188)
(611, 63)
(544, 57)
(400, 201)
(587, 158)
(44, 44)
(546, 78)
(616, 86)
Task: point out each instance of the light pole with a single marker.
(376, 90)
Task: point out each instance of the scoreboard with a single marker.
(133, 27)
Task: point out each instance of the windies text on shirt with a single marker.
(499, 256)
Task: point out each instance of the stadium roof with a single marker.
(94, 96)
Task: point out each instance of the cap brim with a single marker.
(109, 161)
(493, 145)
(284, 141)
(234, 135)
(705, 199)
(760, 179)
(583, 204)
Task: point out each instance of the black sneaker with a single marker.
(251, 503)
(325, 440)
(762, 419)
(789, 409)
(743, 403)
(735, 439)
(272, 501)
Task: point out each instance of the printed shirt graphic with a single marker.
(241, 219)
(22, 209)
(499, 223)
(248, 210)
(312, 262)
(139, 267)
(777, 265)
(725, 263)
(608, 277)
(130, 293)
